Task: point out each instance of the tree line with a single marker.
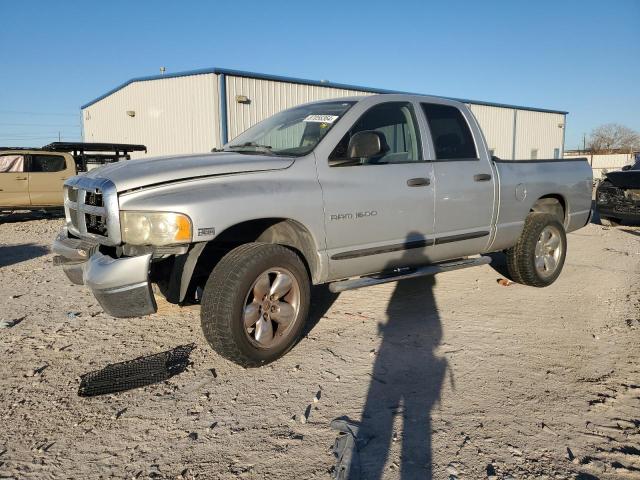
(612, 137)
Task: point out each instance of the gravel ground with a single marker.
(452, 377)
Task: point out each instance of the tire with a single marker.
(230, 298)
(609, 222)
(512, 265)
(537, 260)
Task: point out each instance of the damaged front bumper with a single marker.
(618, 203)
(121, 285)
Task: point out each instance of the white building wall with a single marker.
(181, 115)
(172, 116)
(539, 131)
(268, 97)
(607, 162)
(497, 125)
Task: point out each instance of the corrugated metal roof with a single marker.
(302, 81)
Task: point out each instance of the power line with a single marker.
(17, 112)
(36, 135)
(37, 125)
(38, 132)
(4, 139)
(42, 135)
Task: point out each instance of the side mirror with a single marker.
(367, 144)
(626, 167)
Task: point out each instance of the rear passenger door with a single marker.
(47, 173)
(464, 185)
(14, 185)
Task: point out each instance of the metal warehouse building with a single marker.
(195, 111)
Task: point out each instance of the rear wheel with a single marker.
(538, 257)
(255, 303)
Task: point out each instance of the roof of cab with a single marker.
(301, 81)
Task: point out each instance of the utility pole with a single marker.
(58, 136)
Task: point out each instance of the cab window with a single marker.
(396, 122)
(11, 163)
(47, 163)
(451, 135)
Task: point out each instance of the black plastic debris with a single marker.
(135, 373)
(346, 448)
(11, 323)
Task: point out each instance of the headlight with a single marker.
(154, 228)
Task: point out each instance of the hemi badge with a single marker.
(203, 232)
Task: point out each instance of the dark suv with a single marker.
(618, 196)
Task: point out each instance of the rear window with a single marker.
(47, 163)
(450, 132)
(11, 163)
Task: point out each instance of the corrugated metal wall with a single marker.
(539, 131)
(534, 130)
(268, 97)
(178, 115)
(539, 134)
(172, 116)
(497, 126)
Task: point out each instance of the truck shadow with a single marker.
(321, 301)
(12, 254)
(29, 216)
(405, 385)
(499, 264)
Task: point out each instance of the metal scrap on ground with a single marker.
(346, 448)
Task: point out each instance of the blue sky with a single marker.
(580, 56)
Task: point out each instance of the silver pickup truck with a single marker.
(351, 192)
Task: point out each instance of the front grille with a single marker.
(96, 224)
(93, 199)
(73, 217)
(91, 209)
(617, 199)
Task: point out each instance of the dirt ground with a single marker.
(451, 377)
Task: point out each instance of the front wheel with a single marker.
(538, 257)
(255, 303)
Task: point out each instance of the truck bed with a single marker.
(522, 182)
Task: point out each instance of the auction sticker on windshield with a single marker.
(321, 118)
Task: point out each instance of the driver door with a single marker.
(379, 212)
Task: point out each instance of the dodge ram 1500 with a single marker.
(350, 192)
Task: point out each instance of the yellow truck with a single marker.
(32, 178)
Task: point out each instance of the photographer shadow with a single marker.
(405, 385)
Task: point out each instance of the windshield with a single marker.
(293, 132)
(636, 166)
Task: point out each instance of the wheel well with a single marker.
(553, 204)
(282, 231)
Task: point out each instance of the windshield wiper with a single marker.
(251, 144)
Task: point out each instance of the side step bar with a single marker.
(405, 273)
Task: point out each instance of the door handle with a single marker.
(482, 177)
(418, 182)
(21, 178)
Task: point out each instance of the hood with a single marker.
(130, 174)
(625, 179)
